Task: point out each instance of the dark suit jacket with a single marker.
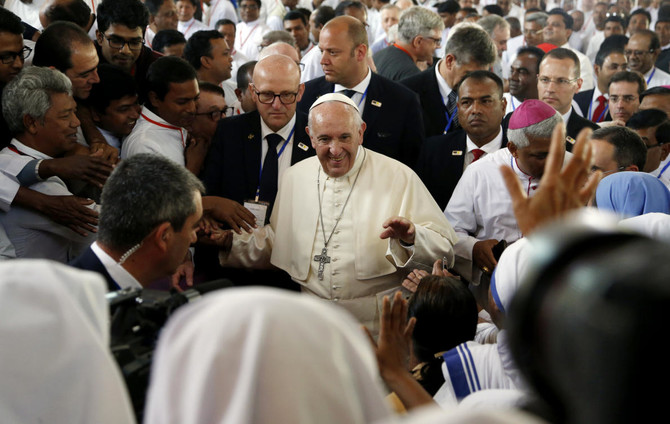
(583, 100)
(575, 124)
(234, 160)
(89, 261)
(440, 164)
(231, 171)
(432, 106)
(391, 113)
(395, 64)
(663, 60)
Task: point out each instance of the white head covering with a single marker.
(655, 225)
(56, 365)
(258, 355)
(508, 274)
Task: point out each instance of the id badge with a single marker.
(259, 209)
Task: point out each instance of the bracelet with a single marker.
(37, 170)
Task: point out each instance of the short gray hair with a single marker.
(542, 129)
(143, 192)
(468, 42)
(539, 17)
(491, 22)
(418, 21)
(30, 94)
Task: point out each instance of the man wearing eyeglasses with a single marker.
(251, 152)
(419, 34)
(654, 128)
(12, 55)
(641, 51)
(594, 104)
(557, 32)
(120, 38)
(557, 83)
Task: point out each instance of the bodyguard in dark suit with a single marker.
(444, 157)
(468, 49)
(390, 111)
(90, 262)
(250, 152)
(558, 82)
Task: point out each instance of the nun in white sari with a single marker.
(259, 355)
(56, 364)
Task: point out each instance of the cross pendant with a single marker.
(322, 259)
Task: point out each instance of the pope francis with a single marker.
(348, 224)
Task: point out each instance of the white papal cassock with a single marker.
(362, 266)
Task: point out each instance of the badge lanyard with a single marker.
(601, 113)
(449, 118)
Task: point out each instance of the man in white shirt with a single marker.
(162, 15)
(353, 251)
(210, 55)
(557, 32)
(249, 32)
(172, 88)
(188, 25)
(523, 77)
(641, 51)
(295, 22)
(217, 10)
(480, 208)
(40, 111)
(145, 228)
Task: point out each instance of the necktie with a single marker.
(477, 153)
(348, 93)
(602, 102)
(270, 169)
(451, 108)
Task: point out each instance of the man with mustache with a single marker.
(443, 158)
(641, 52)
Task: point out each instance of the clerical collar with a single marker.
(119, 274)
(441, 82)
(28, 151)
(354, 169)
(361, 87)
(284, 132)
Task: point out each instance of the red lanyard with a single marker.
(242, 43)
(398, 47)
(170, 127)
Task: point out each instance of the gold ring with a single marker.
(485, 269)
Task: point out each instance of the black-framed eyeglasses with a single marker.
(9, 57)
(216, 115)
(268, 97)
(118, 43)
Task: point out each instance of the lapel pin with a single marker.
(570, 140)
(303, 146)
(250, 136)
(457, 153)
(376, 103)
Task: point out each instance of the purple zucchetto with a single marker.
(530, 112)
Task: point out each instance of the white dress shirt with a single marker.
(189, 28)
(248, 36)
(119, 274)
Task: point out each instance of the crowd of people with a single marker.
(467, 180)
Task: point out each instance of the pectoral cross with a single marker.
(322, 259)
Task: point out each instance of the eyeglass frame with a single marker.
(561, 82)
(124, 43)
(274, 96)
(628, 98)
(8, 58)
(637, 52)
(436, 40)
(219, 112)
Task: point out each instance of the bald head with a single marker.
(276, 89)
(354, 29)
(280, 48)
